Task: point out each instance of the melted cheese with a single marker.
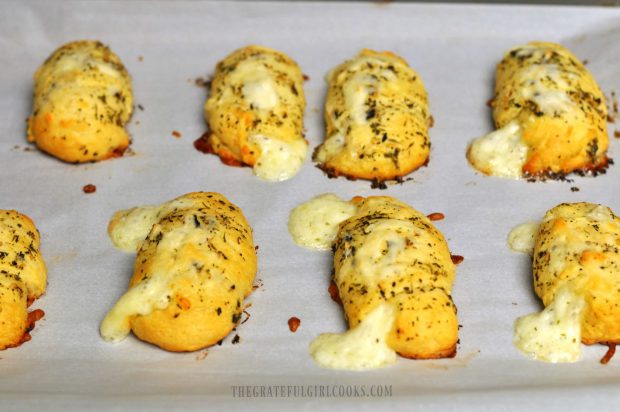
(82, 60)
(544, 85)
(332, 146)
(278, 160)
(378, 257)
(356, 93)
(500, 153)
(142, 299)
(601, 214)
(151, 293)
(359, 348)
(522, 238)
(554, 335)
(132, 225)
(314, 224)
(256, 82)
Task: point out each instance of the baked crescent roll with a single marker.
(82, 101)
(576, 267)
(377, 119)
(196, 263)
(389, 251)
(255, 112)
(23, 276)
(391, 265)
(550, 114)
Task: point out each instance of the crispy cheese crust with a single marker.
(203, 244)
(390, 252)
(559, 106)
(23, 276)
(82, 101)
(579, 244)
(377, 119)
(254, 91)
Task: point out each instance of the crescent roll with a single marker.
(82, 102)
(394, 275)
(377, 119)
(23, 276)
(550, 114)
(255, 112)
(576, 270)
(196, 263)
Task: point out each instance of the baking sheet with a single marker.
(166, 45)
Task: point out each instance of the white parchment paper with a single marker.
(166, 45)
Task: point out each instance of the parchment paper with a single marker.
(166, 45)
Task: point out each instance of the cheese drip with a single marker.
(151, 293)
(522, 238)
(553, 335)
(500, 153)
(278, 160)
(362, 347)
(314, 224)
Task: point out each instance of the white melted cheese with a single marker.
(133, 225)
(385, 240)
(601, 214)
(359, 348)
(522, 238)
(356, 92)
(257, 84)
(330, 147)
(314, 224)
(80, 60)
(142, 299)
(261, 93)
(553, 335)
(549, 99)
(154, 292)
(278, 160)
(500, 153)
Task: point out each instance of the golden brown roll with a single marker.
(550, 114)
(196, 263)
(579, 244)
(394, 275)
(377, 119)
(23, 276)
(390, 252)
(255, 112)
(82, 101)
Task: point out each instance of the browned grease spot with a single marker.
(89, 188)
(611, 351)
(33, 317)
(246, 313)
(57, 259)
(333, 292)
(458, 361)
(306, 77)
(202, 355)
(176, 134)
(258, 284)
(436, 216)
(617, 134)
(202, 145)
(490, 102)
(202, 82)
(293, 324)
(457, 259)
